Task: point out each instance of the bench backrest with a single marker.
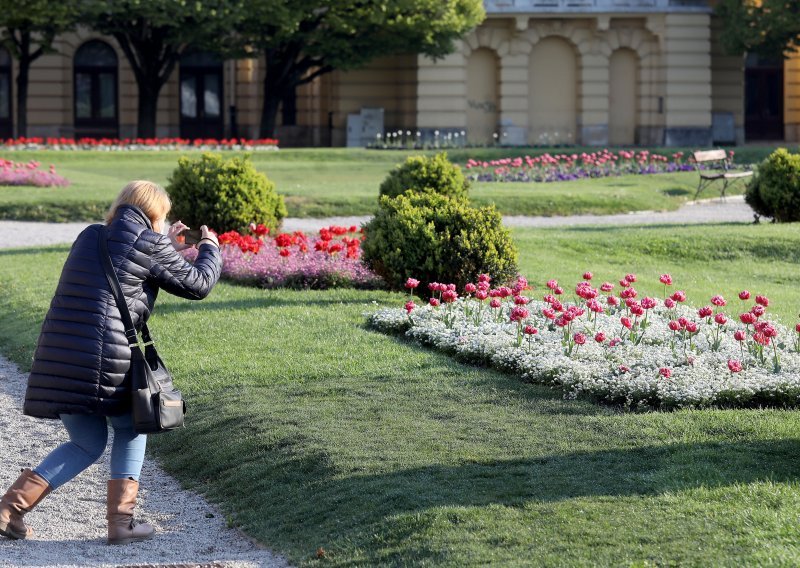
(710, 155)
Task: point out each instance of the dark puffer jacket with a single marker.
(82, 355)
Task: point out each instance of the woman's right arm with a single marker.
(170, 270)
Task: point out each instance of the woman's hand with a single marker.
(207, 237)
(174, 230)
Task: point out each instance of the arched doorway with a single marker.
(623, 107)
(552, 88)
(201, 96)
(483, 96)
(95, 72)
(6, 122)
(763, 98)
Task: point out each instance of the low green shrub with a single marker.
(437, 239)
(423, 174)
(774, 190)
(225, 194)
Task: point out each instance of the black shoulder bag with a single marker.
(157, 405)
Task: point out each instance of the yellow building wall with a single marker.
(681, 78)
(389, 83)
(531, 87)
(687, 87)
(51, 92)
(791, 98)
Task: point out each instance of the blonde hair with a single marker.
(147, 196)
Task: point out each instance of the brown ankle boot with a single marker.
(26, 492)
(122, 529)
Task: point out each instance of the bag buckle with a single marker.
(132, 337)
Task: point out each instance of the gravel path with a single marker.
(732, 210)
(70, 523)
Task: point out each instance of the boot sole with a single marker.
(132, 539)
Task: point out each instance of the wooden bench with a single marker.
(726, 175)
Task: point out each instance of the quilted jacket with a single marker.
(82, 355)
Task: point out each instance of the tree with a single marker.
(304, 39)
(767, 27)
(27, 31)
(153, 34)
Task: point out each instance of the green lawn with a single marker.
(312, 432)
(327, 182)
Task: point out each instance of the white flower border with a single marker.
(700, 380)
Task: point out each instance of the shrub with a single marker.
(422, 174)
(437, 239)
(225, 194)
(775, 189)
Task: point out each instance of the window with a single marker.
(201, 96)
(95, 79)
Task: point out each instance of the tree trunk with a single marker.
(274, 91)
(147, 108)
(22, 96)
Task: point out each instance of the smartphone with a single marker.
(191, 236)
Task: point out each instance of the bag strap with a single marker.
(119, 296)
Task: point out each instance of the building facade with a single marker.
(536, 72)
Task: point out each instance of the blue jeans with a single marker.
(88, 436)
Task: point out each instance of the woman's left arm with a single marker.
(170, 270)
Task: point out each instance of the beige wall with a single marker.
(388, 83)
(727, 81)
(687, 85)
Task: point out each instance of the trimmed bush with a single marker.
(225, 194)
(774, 190)
(421, 174)
(437, 239)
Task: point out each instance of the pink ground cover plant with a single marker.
(611, 343)
(573, 166)
(29, 173)
(331, 258)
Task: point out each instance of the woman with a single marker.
(82, 356)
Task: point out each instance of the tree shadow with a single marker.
(677, 192)
(26, 251)
(266, 301)
(291, 480)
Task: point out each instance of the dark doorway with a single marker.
(201, 96)
(6, 122)
(763, 98)
(95, 81)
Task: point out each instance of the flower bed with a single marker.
(127, 144)
(19, 173)
(295, 260)
(614, 348)
(566, 167)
